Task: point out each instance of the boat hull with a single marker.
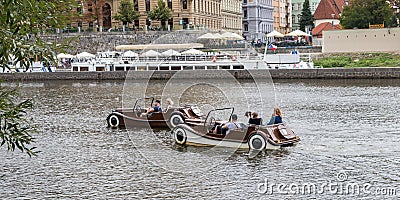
(185, 135)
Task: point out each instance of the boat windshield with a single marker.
(221, 115)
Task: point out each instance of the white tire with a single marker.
(113, 121)
(180, 136)
(176, 119)
(257, 142)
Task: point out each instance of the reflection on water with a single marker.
(351, 126)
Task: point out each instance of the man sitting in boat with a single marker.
(253, 118)
(225, 128)
(156, 108)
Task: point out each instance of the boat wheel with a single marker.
(138, 109)
(179, 135)
(257, 142)
(113, 121)
(175, 119)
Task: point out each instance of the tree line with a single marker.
(127, 14)
(358, 14)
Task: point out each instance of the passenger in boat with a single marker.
(225, 128)
(156, 108)
(276, 117)
(170, 103)
(254, 119)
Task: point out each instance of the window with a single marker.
(170, 4)
(246, 27)
(244, 1)
(147, 5)
(245, 13)
(184, 4)
(79, 10)
(136, 5)
(314, 6)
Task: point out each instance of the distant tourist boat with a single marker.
(199, 61)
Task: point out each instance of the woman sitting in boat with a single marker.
(276, 117)
(253, 118)
(170, 103)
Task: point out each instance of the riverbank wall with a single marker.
(334, 73)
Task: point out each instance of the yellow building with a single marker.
(231, 11)
(185, 14)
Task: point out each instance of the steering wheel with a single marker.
(212, 123)
(138, 109)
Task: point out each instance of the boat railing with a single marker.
(171, 59)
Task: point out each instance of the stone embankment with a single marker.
(338, 73)
(93, 42)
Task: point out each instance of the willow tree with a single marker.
(21, 24)
(126, 13)
(161, 13)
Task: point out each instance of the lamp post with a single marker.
(333, 18)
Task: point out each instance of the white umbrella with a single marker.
(63, 55)
(170, 52)
(150, 53)
(297, 33)
(275, 34)
(193, 52)
(218, 36)
(232, 36)
(85, 55)
(130, 54)
(206, 36)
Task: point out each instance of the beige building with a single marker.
(231, 13)
(185, 14)
(361, 40)
(282, 15)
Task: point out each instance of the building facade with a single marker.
(297, 7)
(282, 16)
(231, 11)
(257, 19)
(327, 17)
(193, 14)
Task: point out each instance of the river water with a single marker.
(350, 133)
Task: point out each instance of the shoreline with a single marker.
(317, 73)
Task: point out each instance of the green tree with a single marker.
(15, 129)
(161, 13)
(361, 13)
(307, 18)
(393, 22)
(126, 13)
(21, 24)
